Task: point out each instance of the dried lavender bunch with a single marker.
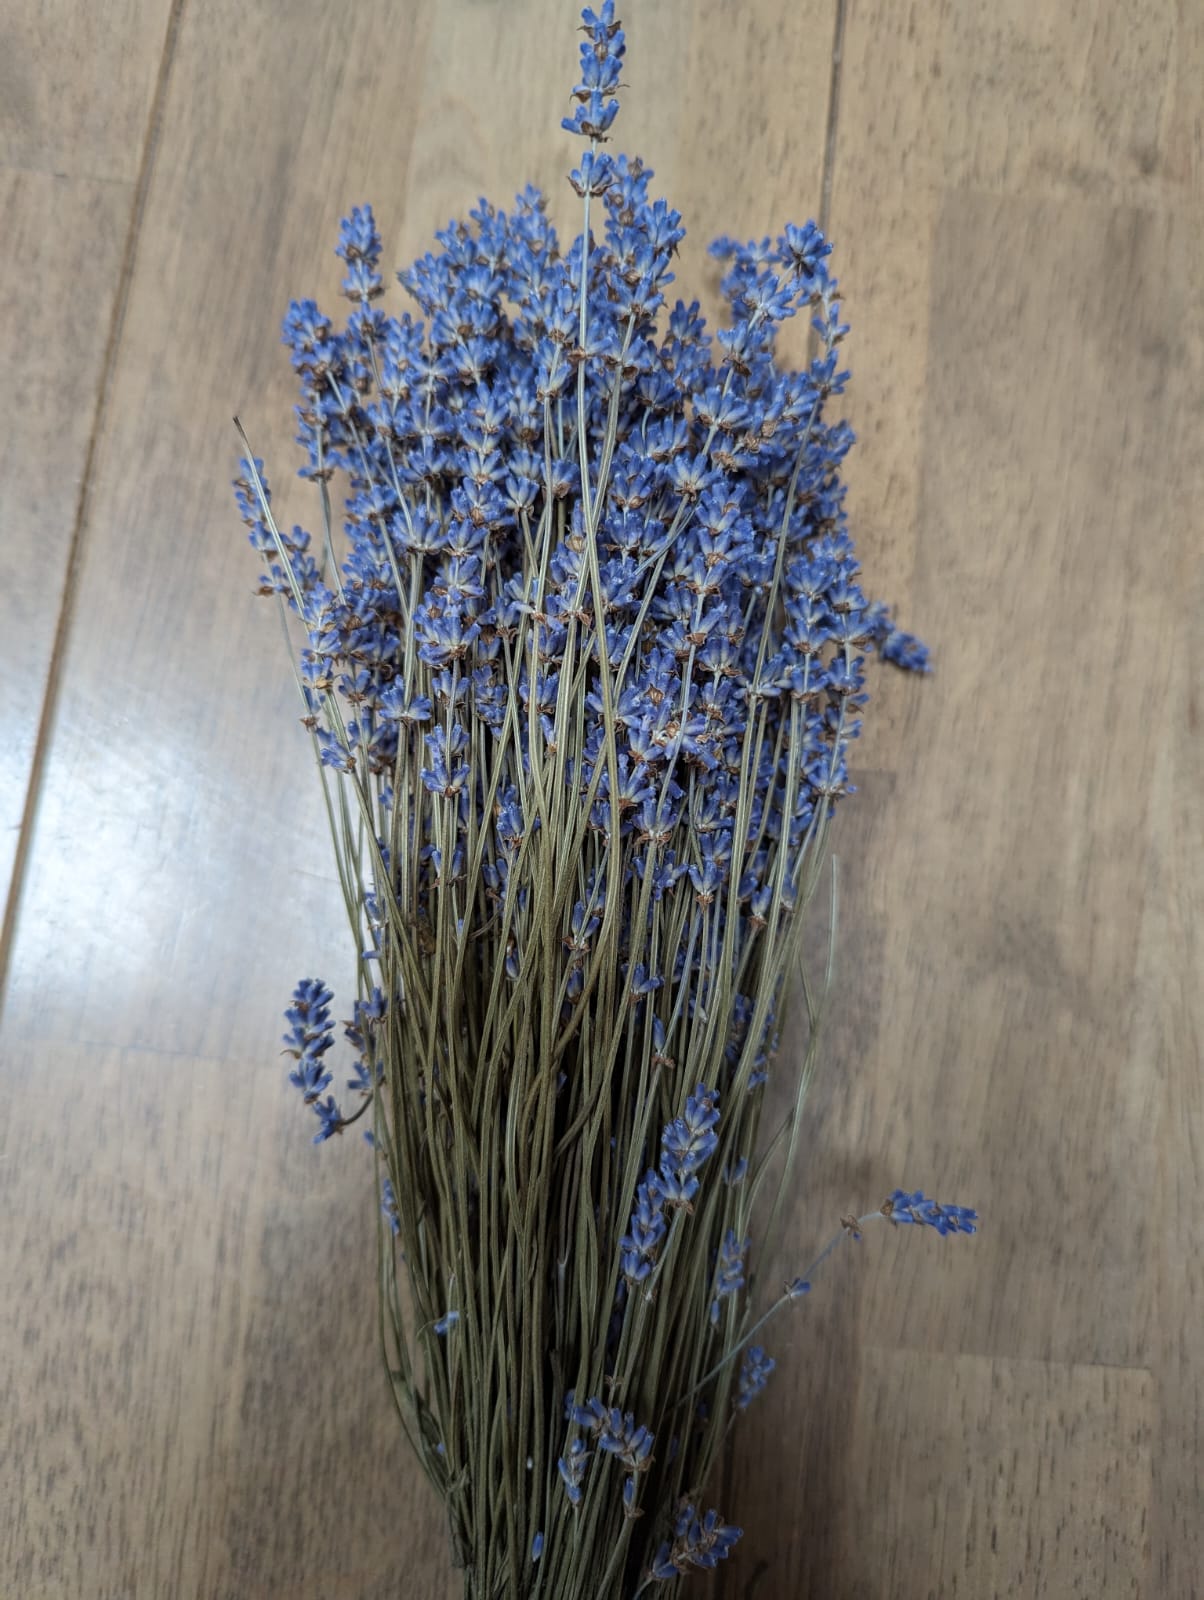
(581, 690)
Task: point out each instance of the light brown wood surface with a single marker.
(190, 1400)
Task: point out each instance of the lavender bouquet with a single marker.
(581, 691)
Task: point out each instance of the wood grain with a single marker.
(1016, 974)
(180, 1377)
(76, 94)
(1028, 1478)
(77, 83)
(191, 1362)
(1073, 102)
(59, 276)
(188, 1370)
(1168, 1038)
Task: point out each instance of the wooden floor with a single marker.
(190, 1403)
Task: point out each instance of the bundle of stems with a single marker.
(580, 689)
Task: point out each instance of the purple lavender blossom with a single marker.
(914, 1208)
(572, 1470)
(388, 1207)
(755, 1371)
(687, 1143)
(729, 1270)
(699, 1542)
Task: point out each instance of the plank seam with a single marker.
(50, 696)
(825, 196)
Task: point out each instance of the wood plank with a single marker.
(191, 1404)
(1059, 589)
(155, 1445)
(1016, 256)
(76, 90)
(1077, 101)
(991, 1478)
(961, 1476)
(77, 83)
(1168, 1038)
(59, 279)
(995, 896)
(1098, 102)
(179, 737)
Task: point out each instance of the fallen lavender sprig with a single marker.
(581, 691)
(900, 1207)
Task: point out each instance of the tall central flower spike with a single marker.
(582, 652)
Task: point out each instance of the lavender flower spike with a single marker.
(904, 1207)
(572, 1470)
(699, 1542)
(691, 1139)
(754, 1375)
(729, 1270)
